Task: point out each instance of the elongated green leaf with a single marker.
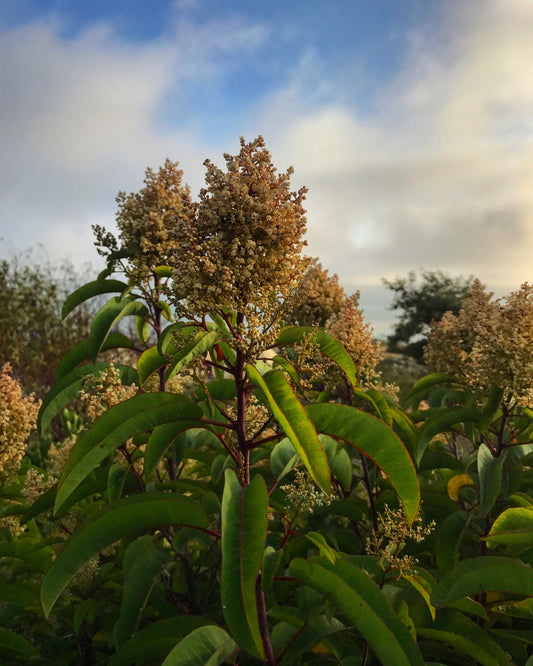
(361, 601)
(383, 409)
(490, 477)
(271, 561)
(441, 423)
(323, 546)
(153, 643)
(483, 574)
(205, 646)
(377, 441)
(130, 514)
(149, 362)
(142, 328)
(131, 417)
(513, 527)
(295, 638)
(160, 439)
(467, 637)
(287, 366)
(80, 353)
(328, 345)
(69, 387)
(200, 345)
(18, 595)
(142, 564)
(13, 642)
(108, 316)
(89, 290)
(421, 387)
(283, 458)
(244, 526)
(292, 417)
(448, 539)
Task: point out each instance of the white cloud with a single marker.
(440, 175)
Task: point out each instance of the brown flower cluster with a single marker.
(349, 327)
(242, 251)
(146, 221)
(18, 416)
(320, 296)
(489, 343)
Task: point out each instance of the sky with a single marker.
(410, 121)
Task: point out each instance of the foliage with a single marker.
(420, 304)
(221, 505)
(34, 336)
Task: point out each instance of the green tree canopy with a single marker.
(420, 302)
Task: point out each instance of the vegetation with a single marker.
(34, 336)
(421, 304)
(248, 492)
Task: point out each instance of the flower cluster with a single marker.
(303, 493)
(489, 343)
(349, 327)
(388, 541)
(146, 221)
(103, 390)
(242, 251)
(18, 416)
(319, 297)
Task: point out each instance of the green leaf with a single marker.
(287, 366)
(80, 353)
(165, 310)
(128, 515)
(89, 290)
(115, 482)
(159, 441)
(142, 564)
(328, 345)
(271, 561)
(421, 387)
(448, 539)
(131, 417)
(205, 646)
(69, 387)
(490, 477)
(292, 417)
(466, 637)
(323, 546)
(149, 362)
(442, 422)
(377, 441)
(199, 346)
(513, 527)
(142, 328)
(163, 271)
(339, 461)
(153, 643)
(361, 601)
(478, 575)
(14, 643)
(108, 316)
(244, 526)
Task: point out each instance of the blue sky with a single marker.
(409, 120)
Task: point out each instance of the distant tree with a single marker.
(420, 303)
(320, 297)
(34, 337)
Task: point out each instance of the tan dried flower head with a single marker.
(242, 252)
(18, 417)
(489, 343)
(146, 220)
(319, 297)
(349, 327)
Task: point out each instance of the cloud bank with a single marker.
(435, 171)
